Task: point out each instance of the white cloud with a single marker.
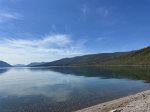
(47, 48)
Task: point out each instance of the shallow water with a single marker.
(67, 89)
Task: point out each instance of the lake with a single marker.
(66, 89)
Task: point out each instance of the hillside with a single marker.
(85, 60)
(139, 57)
(4, 64)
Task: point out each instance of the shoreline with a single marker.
(139, 102)
(79, 66)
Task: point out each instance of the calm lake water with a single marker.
(67, 89)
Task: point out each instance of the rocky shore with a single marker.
(139, 102)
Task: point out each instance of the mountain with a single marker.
(35, 64)
(4, 64)
(138, 57)
(92, 59)
(19, 65)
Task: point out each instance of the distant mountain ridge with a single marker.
(19, 65)
(35, 64)
(92, 59)
(4, 64)
(138, 57)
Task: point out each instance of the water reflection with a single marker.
(3, 70)
(135, 73)
(66, 89)
(20, 82)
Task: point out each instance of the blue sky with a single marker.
(47, 30)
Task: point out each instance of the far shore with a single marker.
(94, 66)
(139, 102)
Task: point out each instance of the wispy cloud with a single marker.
(11, 1)
(49, 40)
(100, 39)
(103, 11)
(8, 16)
(47, 48)
(85, 10)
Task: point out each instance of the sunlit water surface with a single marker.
(66, 89)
